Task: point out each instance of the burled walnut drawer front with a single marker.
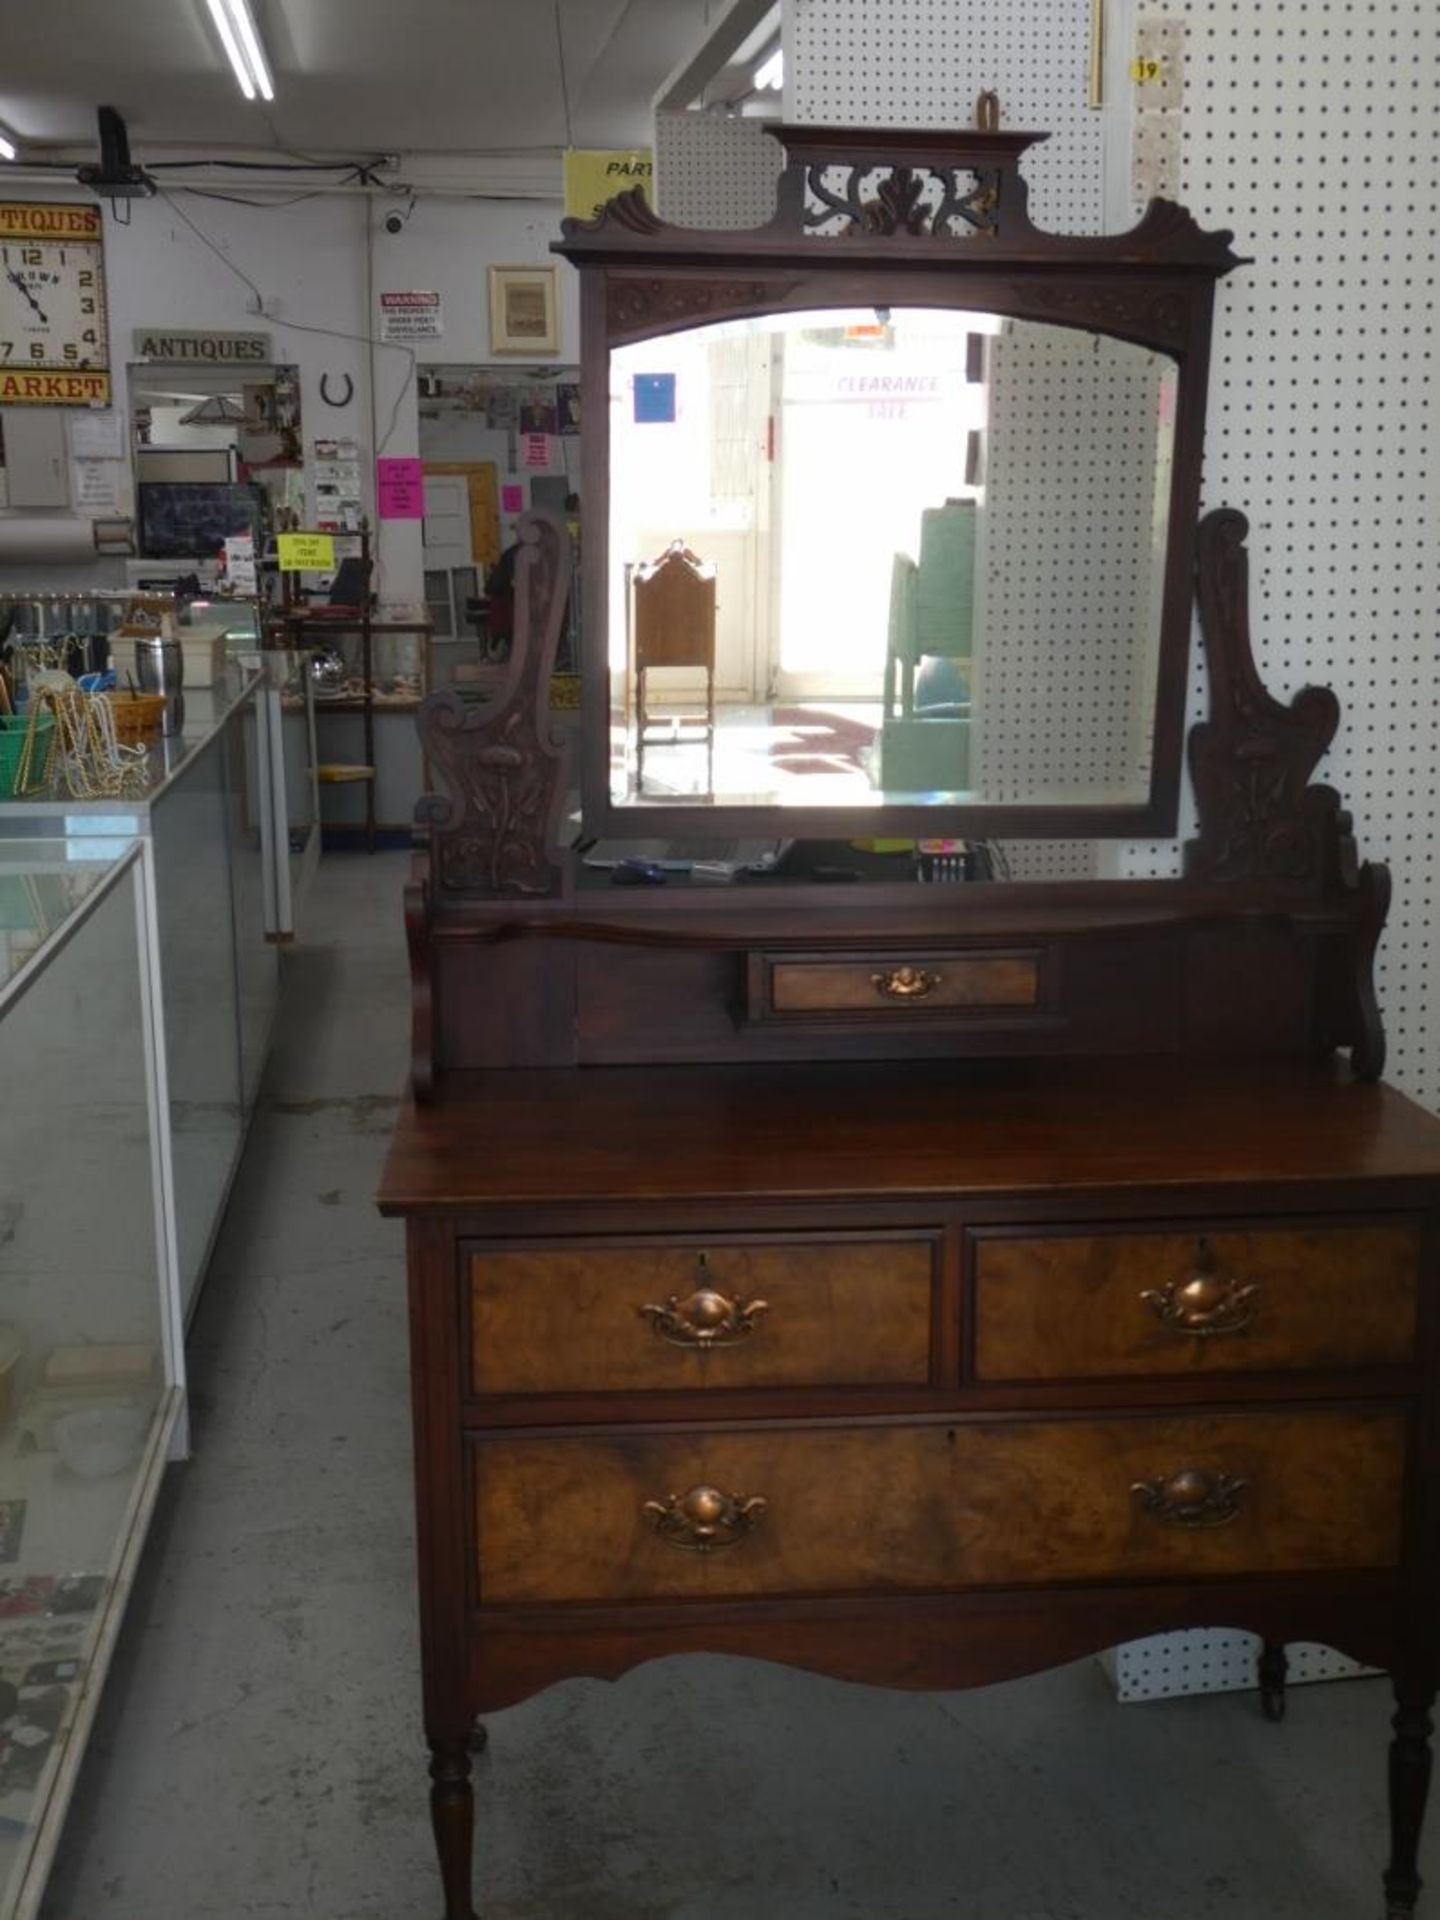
(1059, 1306)
(893, 985)
(935, 1506)
(610, 1319)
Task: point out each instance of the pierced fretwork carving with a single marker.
(494, 828)
(934, 200)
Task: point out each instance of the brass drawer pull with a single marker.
(1191, 1498)
(1205, 1304)
(906, 983)
(704, 1519)
(706, 1317)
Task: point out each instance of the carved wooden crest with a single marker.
(1251, 761)
(889, 195)
(494, 828)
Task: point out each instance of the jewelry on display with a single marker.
(93, 763)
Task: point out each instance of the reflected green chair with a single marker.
(925, 732)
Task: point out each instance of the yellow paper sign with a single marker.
(306, 552)
(595, 175)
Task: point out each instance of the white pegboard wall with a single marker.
(1049, 859)
(1308, 128)
(921, 63)
(713, 170)
(1067, 613)
(1219, 1660)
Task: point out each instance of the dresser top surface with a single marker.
(889, 1129)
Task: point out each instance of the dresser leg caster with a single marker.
(1410, 1760)
(1274, 1666)
(452, 1815)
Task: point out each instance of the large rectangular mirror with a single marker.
(885, 557)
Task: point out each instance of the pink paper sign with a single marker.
(512, 499)
(400, 489)
(535, 450)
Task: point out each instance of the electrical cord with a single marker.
(244, 200)
(357, 168)
(564, 82)
(300, 326)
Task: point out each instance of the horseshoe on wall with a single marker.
(345, 398)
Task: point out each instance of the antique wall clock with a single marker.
(54, 340)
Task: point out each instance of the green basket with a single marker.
(14, 731)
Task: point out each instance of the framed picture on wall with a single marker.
(524, 316)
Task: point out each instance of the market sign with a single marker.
(595, 175)
(54, 389)
(211, 349)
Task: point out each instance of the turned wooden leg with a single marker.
(452, 1814)
(1410, 1759)
(1274, 1665)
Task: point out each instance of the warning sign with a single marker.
(410, 316)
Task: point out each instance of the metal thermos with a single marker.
(160, 668)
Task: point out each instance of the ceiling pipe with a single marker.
(744, 27)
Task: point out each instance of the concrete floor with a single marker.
(258, 1750)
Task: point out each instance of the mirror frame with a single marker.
(641, 279)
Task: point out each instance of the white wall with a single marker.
(309, 262)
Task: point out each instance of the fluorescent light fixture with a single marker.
(250, 40)
(8, 148)
(769, 76)
(238, 35)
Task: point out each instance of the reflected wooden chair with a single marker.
(674, 627)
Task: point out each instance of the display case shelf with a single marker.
(91, 1357)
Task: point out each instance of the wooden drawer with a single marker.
(608, 1318)
(1067, 1305)
(894, 986)
(934, 1506)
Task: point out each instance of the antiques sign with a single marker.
(214, 349)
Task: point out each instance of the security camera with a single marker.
(394, 222)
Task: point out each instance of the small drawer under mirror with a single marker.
(896, 985)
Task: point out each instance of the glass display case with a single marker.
(91, 1384)
(204, 813)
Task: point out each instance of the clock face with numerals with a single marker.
(54, 342)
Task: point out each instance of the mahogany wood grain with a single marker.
(889, 1508)
(1066, 1306)
(440, 1534)
(925, 1641)
(897, 1129)
(568, 1318)
(946, 981)
(1187, 1026)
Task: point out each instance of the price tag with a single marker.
(306, 552)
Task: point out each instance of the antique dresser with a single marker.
(919, 1283)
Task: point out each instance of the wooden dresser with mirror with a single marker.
(919, 1281)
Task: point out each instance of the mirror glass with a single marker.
(885, 556)
(218, 451)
